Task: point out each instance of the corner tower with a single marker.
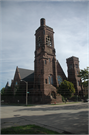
(45, 77)
(73, 71)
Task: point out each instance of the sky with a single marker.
(19, 20)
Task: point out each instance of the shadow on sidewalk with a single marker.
(76, 123)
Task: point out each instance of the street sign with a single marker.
(27, 92)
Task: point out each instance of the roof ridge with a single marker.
(26, 69)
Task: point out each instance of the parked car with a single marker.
(86, 100)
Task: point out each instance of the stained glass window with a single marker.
(16, 83)
(59, 79)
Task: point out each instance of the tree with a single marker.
(66, 89)
(6, 92)
(84, 74)
(9, 92)
(2, 91)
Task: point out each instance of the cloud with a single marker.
(21, 19)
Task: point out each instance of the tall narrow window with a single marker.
(77, 72)
(76, 65)
(59, 79)
(46, 81)
(48, 41)
(45, 62)
(78, 83)
(49, 79)
(49, 59)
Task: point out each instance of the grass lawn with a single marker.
(14, 104)
(28, 129)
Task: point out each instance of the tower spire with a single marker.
(42, 22)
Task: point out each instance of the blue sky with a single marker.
(20, 19)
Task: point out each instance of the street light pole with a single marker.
(26, 91)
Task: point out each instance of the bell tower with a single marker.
(45, 75)
(73, 71)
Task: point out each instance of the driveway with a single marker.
(62, 118)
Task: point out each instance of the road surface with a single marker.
(62, 118)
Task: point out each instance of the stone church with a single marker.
(48, 73)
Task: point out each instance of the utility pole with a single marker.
(26, 91)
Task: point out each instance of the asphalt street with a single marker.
(62, 118)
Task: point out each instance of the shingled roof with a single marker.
(27, 75)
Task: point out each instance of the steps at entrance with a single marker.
(52, 88)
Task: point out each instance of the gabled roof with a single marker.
(27, 75)
(7, 85)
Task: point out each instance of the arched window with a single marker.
(59, 79)
(50, 79)
(48, 41)
(53, 95)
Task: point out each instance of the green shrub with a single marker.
(74, 98)
(86, 96)
(66, 89)
(79, 98)
(64, 99)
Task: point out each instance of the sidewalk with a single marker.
(64, 104)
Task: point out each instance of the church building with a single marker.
(48, 73)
